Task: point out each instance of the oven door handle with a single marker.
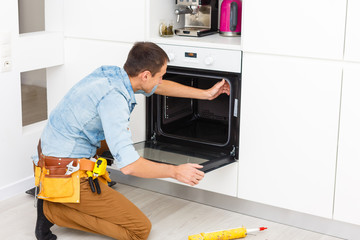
(218, 163)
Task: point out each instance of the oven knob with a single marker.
(171, 56)
(209, 60)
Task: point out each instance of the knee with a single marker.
(142, 230)
(145, 230)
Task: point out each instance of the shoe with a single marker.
(42, 229)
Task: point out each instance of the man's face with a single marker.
(152, 81)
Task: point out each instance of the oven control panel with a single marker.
(203, 58)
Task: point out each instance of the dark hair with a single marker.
(145, 56)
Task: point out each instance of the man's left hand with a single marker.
(219, 88)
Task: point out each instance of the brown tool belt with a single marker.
(59, 182)
(57, 166)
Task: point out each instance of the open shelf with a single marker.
(160, 10)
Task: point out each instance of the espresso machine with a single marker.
(201, 17)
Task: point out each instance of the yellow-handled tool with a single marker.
(99, 169)
(226, 234)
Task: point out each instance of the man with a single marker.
(97, 108)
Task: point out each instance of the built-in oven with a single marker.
(182, 130)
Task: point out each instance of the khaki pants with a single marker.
(108, 213)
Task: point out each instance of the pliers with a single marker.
(93, 182)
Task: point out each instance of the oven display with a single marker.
(190, 55)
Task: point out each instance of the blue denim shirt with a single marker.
(96, 108)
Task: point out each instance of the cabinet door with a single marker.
(288, 132)
(298, 28)
(347, 196)
(352, 41)
(26, 52)
(105, 19)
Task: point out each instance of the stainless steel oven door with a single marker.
(177, 154)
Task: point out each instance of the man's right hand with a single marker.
(188, 173)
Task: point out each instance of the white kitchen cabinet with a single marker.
(110, 20)
(299, 28)
(288, 132)
(352, 40)
(28, 52)
(40, 50)
(347, 197)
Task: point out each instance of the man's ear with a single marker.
(145, 75)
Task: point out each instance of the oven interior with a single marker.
(194, 120)
(182, 130)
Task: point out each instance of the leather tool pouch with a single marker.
(55, 186)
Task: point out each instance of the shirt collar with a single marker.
(127, 83)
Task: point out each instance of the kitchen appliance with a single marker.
(181, 130)
(201, 17)
(230, 18)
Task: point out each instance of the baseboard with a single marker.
(16, 188)
(284, 216)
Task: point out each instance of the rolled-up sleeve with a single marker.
(115, 116)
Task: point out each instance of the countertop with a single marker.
(211, 41)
